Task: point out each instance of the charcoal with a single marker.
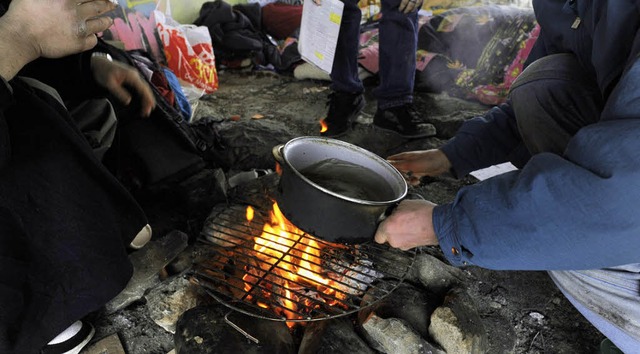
(332, 336)
(203, 330)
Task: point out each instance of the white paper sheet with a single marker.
(493, 171)
(319, 30)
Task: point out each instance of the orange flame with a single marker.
(323, 126)
(299, 263)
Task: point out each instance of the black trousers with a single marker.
(552, 99)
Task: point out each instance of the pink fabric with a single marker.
(369, 51)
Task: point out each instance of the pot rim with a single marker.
(358, 149)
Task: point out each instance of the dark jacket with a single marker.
(65, 221)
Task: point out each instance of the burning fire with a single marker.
(323, 126)
(294, 259)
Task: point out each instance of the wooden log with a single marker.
(406, 302)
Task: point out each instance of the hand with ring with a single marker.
(407, 6)
(54, 28)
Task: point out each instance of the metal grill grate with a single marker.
(360, 275)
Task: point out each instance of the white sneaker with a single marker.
(142, 238)
(71, 340)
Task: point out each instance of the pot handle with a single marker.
(391, 208)
(277, 153)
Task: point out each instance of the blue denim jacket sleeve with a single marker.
(576, 211)
(483, 141)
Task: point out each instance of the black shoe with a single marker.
(72, 340)
(343, 109)
(403, 120)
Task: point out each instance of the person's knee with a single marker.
(552, 99)
(626, 94)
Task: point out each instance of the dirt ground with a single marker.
(524, 310)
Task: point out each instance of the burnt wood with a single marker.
(333, 336)
(203, 330)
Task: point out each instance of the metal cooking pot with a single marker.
(323, 212)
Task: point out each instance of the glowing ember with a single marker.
(294, 258)
(250, 213)
(323, 126)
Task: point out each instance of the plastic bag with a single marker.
(189, 53)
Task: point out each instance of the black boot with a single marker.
(403, 120)
(343, 109)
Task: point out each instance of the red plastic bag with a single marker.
(189, 53)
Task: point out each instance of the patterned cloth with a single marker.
(478, 51)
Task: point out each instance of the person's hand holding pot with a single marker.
(410, 225)
(416, 164)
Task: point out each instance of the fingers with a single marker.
(405, 156)
(94, 26)
(93, 8)
(380, 237)
(92, 18)
(414, 180)
(88, 28)
(405, 166)
(407, 6)
(134, 82)
(147, 99)
(123, 82)
(122, 94)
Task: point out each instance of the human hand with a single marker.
(417, 164)
(410, 225)
(407, 6)
(55, 28)
(122, 81)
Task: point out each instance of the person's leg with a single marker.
(65, 243)
(346, 99)
(397, 57)
(552, 102)
(609, 299)
(552, 99)
(344, 73)
(95, 118)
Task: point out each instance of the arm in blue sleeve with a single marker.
(577, 212)
(483, 141)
